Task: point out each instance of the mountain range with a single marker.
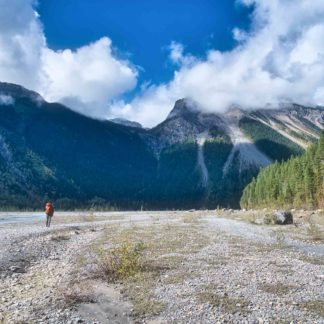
(193, 159)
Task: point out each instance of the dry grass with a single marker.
(224, 302)
(58, 237)
(140, 291)
(191, 218)
(280, 238)
(314, 232)
(3, 318)
(140, 258)
(86, 218)
(277, 289)
(76, 293)
(312, 260)
(250, 218)
(315, 307)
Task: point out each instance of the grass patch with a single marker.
(226, 303)
(278, 289)
(128, 264)
(314, 306)
(142, 265)
(176, 277)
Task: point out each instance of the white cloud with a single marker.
(280, 60)
(176, 52)
(86, 79)
(6, 100)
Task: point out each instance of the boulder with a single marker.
(279, 217)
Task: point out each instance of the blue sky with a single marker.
(142, 30)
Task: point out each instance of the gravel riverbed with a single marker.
(224, 270)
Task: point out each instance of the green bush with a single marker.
(121, 262)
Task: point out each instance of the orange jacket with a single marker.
(49, 209)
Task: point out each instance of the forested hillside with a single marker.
(298, 182)
(269, 141)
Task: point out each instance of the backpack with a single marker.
(49, 209)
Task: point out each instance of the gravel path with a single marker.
(241, 274)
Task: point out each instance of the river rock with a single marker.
(279, 217)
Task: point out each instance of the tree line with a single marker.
(296, 183)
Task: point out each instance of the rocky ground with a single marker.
(201, 267)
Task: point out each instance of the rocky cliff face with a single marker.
(297, 124)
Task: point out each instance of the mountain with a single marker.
(191, 160)
(298, 182)
(125, 122)
(49, 151)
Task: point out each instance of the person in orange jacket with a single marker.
(49, 211)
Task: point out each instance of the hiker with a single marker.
(49, 211)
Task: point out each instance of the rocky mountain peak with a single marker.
(183, 107)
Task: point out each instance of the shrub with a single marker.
(121, 262)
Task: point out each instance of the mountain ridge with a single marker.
(192, 159)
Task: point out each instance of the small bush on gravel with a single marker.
(121, 262)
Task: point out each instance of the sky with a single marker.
(134, 59)
(143, 30)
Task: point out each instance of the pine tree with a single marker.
(297, 182)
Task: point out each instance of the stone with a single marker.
(283, 217)
(279, 217)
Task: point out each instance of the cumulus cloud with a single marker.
(86, 79)
(280, 60)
